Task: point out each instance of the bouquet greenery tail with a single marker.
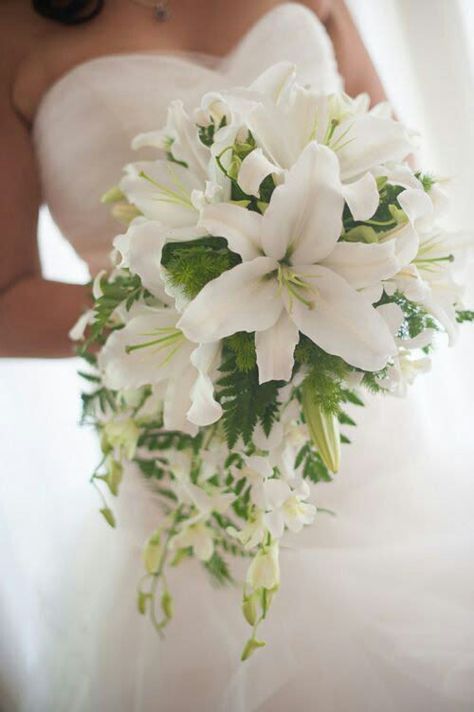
(280, 258)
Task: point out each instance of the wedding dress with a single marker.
(376, 607)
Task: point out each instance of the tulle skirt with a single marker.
(375, 610)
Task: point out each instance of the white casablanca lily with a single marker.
(361, 139)
(150, 349)
(283, 506)
(198, 536)
(295, 276)
(166, 191)
(180, 137)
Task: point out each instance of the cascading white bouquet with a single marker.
(280, 257)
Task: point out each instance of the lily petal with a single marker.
(254, 169)
(162, 191)
(367, 141)
(241, 299)
(240, 227)
(275, 350)
(363, 265)
(342, 321)
(304, 218)
(204, 409)
(362, 197)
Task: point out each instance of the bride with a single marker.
(375, 610)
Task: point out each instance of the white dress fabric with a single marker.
(376, 607)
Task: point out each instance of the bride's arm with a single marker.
(353, 60)
(35, 314)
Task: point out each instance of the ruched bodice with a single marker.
(85, 121)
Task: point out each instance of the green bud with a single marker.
(152, 553)
(112, 195)
(114, 476)
(167, 604)
(234, 168)
(249, 608)
(381, 182)
(108, 516)
(142, 601)
(250, 647)
(323, 428)
(361, 233)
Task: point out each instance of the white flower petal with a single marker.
(362, 197)
(177, 402)
(254, 169)
(275, 523)
(240, 227)
(418, 206)
(275, 348)
(241, 299)
(273, 81)
(342, 321)
(141, 248)
(187, 145)
(204, 409)
(393, 316)
(363, 265)
(366, 141)
(304, 218)
(162, 190)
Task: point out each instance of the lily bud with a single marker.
(108, 516)
(113, 195)
(125, 213)
(361, 233)
(114, 475)
(323, 428)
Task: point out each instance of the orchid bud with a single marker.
(249, 608)
(167, 604)
(152, 553)
(250, 647)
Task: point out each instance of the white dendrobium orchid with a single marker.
(295, 276)
(150, 349)
(264, 570)
(198, 536)
(283, 506)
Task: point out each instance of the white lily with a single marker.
(150, 349)
(361, 139)
(295, 275)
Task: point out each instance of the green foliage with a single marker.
(416, 317)
(191, 265)
(218, 569)
(464, 315)
(245, 402)
(383, 219)
(325, 375)
(426, 180)
(242, 345)
(102, 400)
(313, 468)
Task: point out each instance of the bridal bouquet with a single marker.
(280, 258)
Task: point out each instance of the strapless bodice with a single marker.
(86, 120)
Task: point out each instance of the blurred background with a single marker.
(424, 53)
